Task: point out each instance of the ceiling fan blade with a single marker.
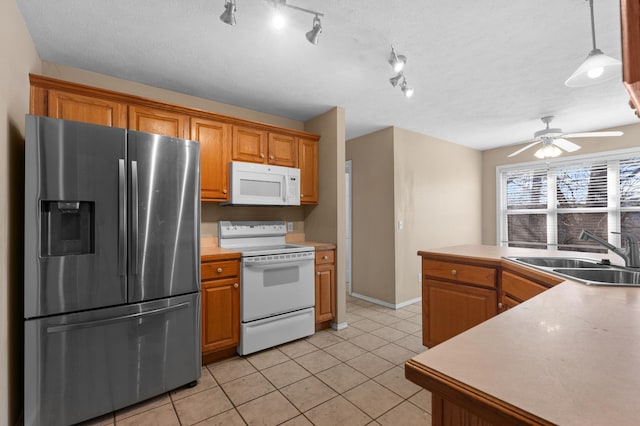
(566, 145)
(523, 149)
(592, 134)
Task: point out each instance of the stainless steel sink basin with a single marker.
(559, 262)
(611, 276)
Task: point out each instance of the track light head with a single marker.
(397, 62)
(314, 35)
(396, 79)
(229, 14)
(406, 90)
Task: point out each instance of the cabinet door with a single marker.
(220, 314)
(159, 121)
(308, 163)
(249, 145)
(215, 154)
(451, 309)
(69, 106)
(325, 292)
(283, 150)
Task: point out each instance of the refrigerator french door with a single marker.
(112, 277)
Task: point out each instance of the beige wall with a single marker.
(498, 157)
(19, 59)
(373, 258)
(437, 198)
(326, 221)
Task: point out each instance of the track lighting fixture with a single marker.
(397, 62)
(314, 34)
(597, 67)
(229, 17)
(229, 14)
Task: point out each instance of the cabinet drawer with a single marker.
(325, 256)
(478, 275)
(223, 269)
(519, 287)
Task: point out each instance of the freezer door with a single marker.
(83, 365)
(164, 216)
(75, 237)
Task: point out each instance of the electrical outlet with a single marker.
(419, 277)
(289, 226)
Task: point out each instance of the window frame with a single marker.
(613, 208)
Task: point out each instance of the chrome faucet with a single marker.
(630, 254)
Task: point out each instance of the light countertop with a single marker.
(570, 355)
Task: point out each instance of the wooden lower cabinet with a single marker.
(520, 284)
(325, 286)
(452, 308)
(220, 292)
(456, 295)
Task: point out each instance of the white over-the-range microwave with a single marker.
(261, 184)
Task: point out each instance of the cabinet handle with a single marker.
(261, 155)
(454, 272)
(325, 257)
(219, 270)
(271, 157)
(301, 195)
(500, 305)
(235, 285)
(224, 191)
(318, 273)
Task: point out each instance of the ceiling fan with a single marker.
(553, 140)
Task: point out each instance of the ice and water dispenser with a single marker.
(67, 228)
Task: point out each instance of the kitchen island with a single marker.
(569, 356)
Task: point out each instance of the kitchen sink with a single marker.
(559, 262)
(611, 276)
(586, 271)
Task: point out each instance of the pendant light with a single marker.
(229, 14)
(314, 34)
(597, 67)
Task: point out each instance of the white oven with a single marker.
(277, 290)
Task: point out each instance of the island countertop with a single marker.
(569, 356)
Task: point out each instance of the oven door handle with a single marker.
(276, 262)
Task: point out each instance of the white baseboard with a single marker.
(386, 304)
(340, 326)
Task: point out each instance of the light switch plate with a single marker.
(289, 226)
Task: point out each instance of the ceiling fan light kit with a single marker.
(312, 36)
(598, 67)
(554, 142)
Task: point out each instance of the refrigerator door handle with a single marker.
(138, 315)
(122, 211)
(134, 214)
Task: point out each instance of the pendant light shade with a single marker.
(548, 151)
(396, 79)
(598, 67)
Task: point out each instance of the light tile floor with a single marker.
(353, 376)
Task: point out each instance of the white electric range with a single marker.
(277, 294)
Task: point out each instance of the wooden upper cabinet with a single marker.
(283, 150)
(159, 121)
(630, 25)
(215, 154)
(308, 163)
(70, 106)
(249, 144)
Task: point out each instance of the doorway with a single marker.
(347, 224)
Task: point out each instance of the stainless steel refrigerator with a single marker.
(111, 268)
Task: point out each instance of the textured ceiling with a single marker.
(484, 72)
